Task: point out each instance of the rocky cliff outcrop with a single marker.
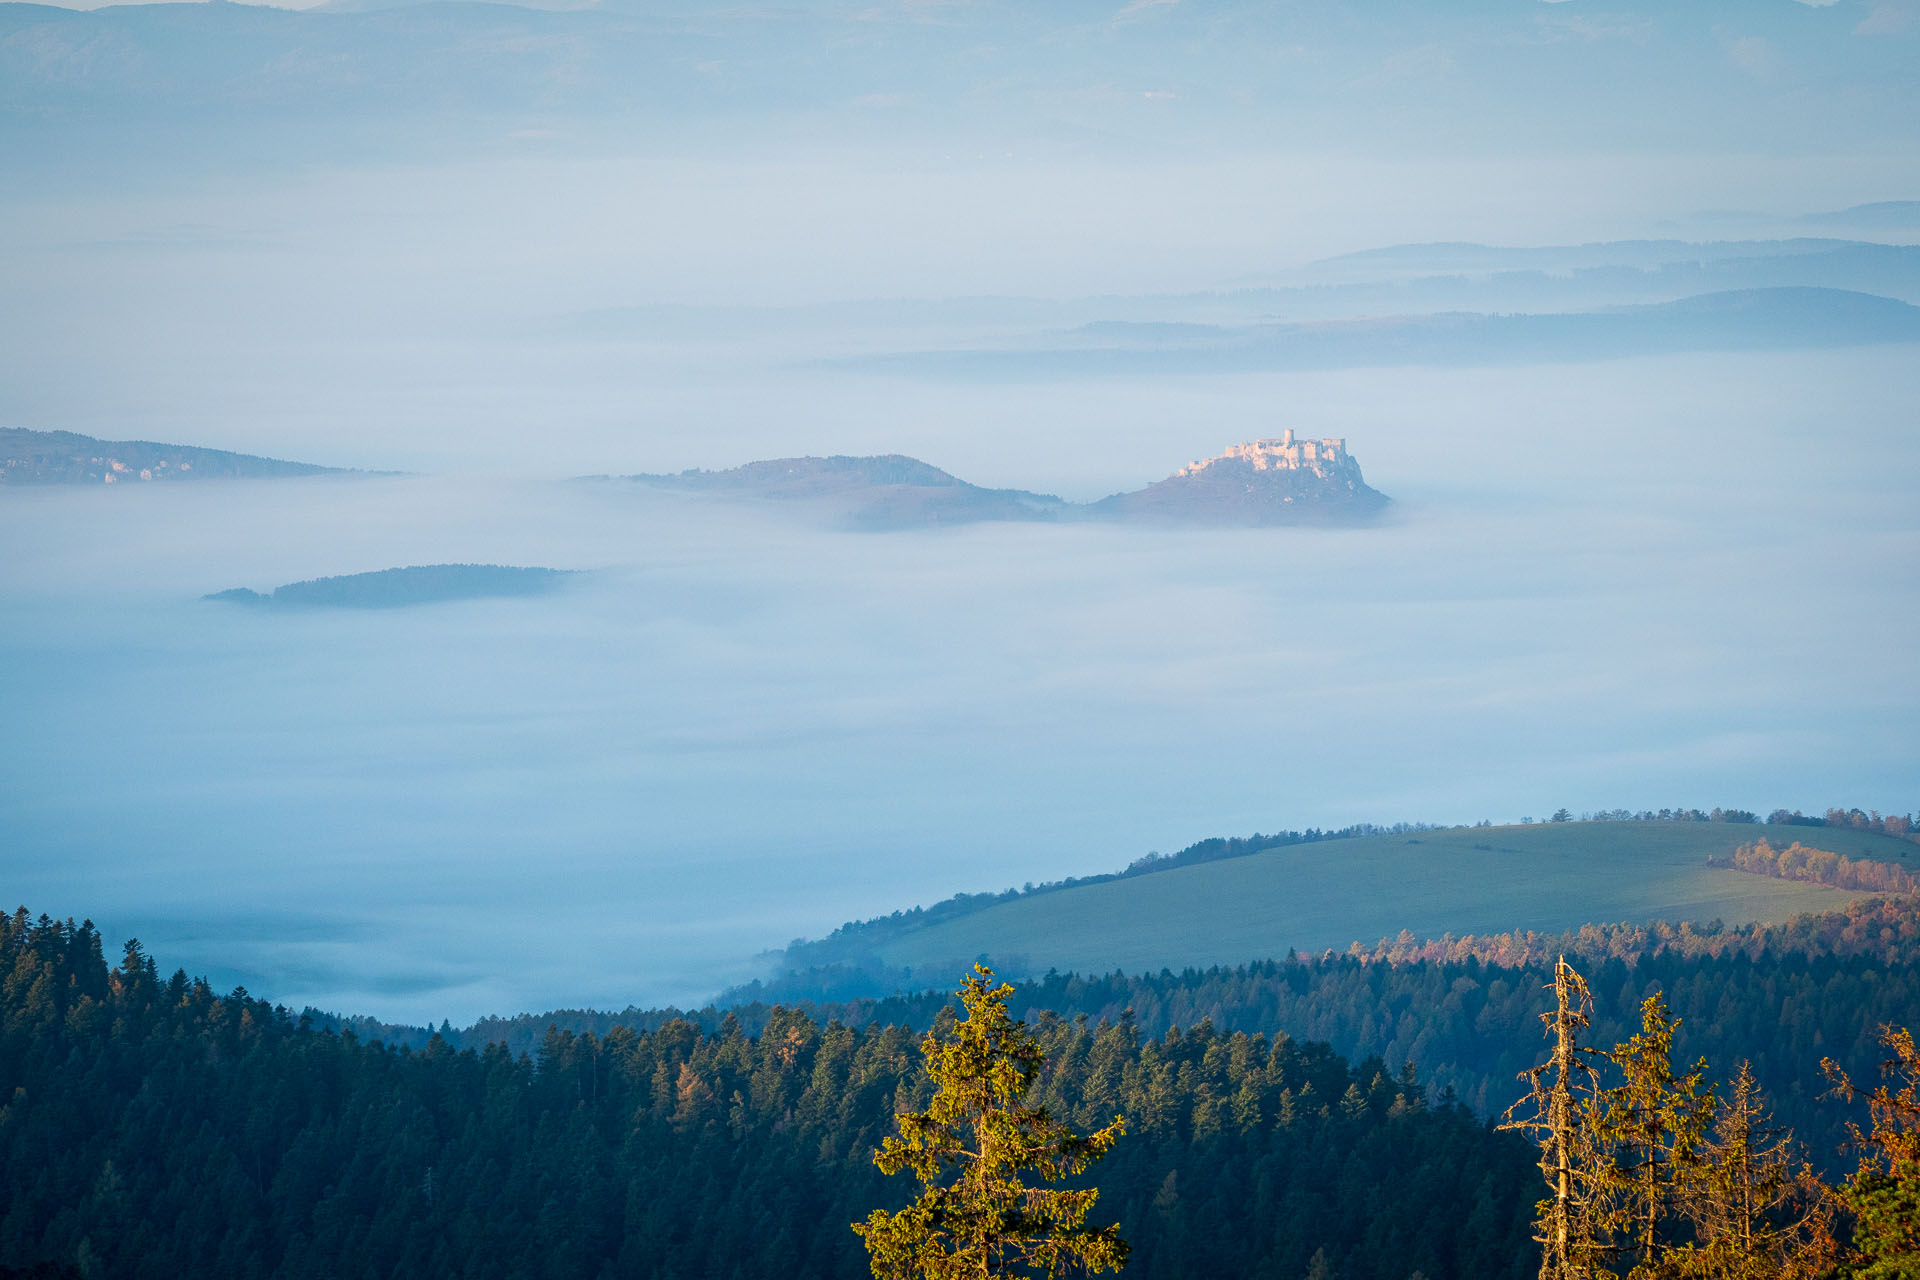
(1262, 482)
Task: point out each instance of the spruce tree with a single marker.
(1656, 1124)
(1754, 1214)
(981, 1219)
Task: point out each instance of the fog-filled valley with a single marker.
(1672, 580)
(1632, 358)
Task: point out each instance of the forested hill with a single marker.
(1463, 1011)
(154, 1128)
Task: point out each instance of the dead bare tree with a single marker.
(1559, 1113)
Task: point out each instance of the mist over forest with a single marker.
(1652, 539)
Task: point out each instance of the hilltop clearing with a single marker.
(1332, 893)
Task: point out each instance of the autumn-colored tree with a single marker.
(975, 1217)
(1883, 1194)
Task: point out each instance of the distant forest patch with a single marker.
(1819, 866)
(398, 588)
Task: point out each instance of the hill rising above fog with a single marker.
(1261, 900)
(1263, 482)
(398, 588)
(66, 457)
(885, 491)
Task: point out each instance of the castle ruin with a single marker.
(1322, 457)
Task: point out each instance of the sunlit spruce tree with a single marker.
(1655, 1125)
(1757, 1212)
(975, 1216)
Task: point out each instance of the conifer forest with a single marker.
(156, 1127)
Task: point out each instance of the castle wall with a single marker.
(1283, 453)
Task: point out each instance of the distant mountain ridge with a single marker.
(1765, 319)
(1468, 255)
(1881, 215)
(66, 457)
(1280, 481)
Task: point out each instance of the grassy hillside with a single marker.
(1552, 876)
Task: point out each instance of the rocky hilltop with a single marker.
(1262, 482)
(66, 457)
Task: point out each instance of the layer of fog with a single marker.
(1639, 583)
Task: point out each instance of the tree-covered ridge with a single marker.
(1883, 930)
(154, 1127)
(1886, 929)
(1462, 1009)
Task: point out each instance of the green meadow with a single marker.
(1481, 880)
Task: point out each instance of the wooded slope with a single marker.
(156, 1129)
